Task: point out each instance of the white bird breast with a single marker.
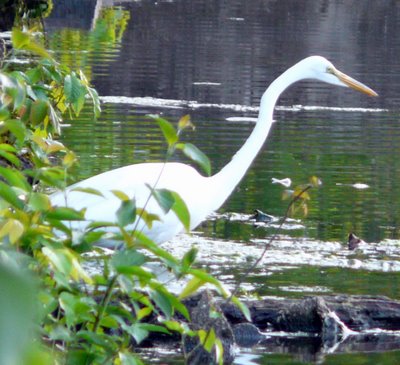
(132, 180)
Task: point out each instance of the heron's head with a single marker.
(321, 69)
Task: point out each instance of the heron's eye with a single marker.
(329, 70)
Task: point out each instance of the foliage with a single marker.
(83, 315)
(34, 9)
(300, 196)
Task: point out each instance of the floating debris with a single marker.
(286, 182)
(359, 186)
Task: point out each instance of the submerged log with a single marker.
(325, 321)
(307, 315)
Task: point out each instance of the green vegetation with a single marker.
(52, 302)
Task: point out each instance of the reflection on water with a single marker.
(214, 59)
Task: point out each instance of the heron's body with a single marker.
(201, 194)
(134, 181)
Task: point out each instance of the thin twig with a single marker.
(271, 239)
(105, 301)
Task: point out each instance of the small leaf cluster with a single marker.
(172, 134)
(300, 196)
(33, 101)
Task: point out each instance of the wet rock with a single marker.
(247, 334)
(206, 315)
(354, 242)
(261, 217)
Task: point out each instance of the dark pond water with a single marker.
(213, 59)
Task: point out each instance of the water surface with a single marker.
(213, 60)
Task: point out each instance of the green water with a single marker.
(226, 54)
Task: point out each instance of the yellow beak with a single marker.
(354, 84)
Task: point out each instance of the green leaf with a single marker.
(207, 339)
(174, 326)
(191, 287)
(122, 260)
(99, 224)
(76, 309)
(39, 202)
(10, 157)
(168, 130)
(51, 146)
(9, 195)
(7, 147)
(37, 49)
(66, 264)
(34, 75)
(191, 151)
(22, 40)
(185, 122)
(12, 228)
(167, 302)
(80, 357)
(4, 113)
(88, 191)
(142, 274)
(74, 92)
(120, 195)
(14, 178)
(65, 213)
(143, 312)
(127, 358)
(17, 128)
(164, 197)
(99, 339)
(109, 322)
(18, 304)
(58, 258)
(52, 176)
(12, 91)
(17, 91)
(154, 328)
(181, 210)
(96, 101)
(168, 200)
(55, 119)
(209, 279)
(126, 213)
(189, 258)
(138, 332)
(148, 218)
(19, 39)
(148, 244)
(39, 111)
(243, 308)
(163, 302)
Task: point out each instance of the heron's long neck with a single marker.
(229, 177)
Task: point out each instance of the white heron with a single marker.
(201, 194)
